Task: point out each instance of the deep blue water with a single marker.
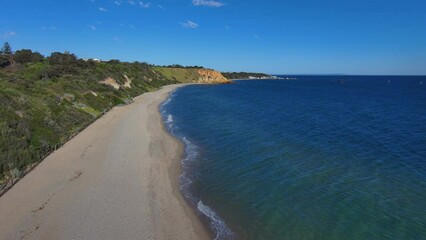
(329, 157)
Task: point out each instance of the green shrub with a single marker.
(26, 56)
(45, 101)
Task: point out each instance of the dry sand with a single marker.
(117, 179)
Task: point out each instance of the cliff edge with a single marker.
(192, 75)
(211, 76)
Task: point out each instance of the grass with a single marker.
(183, 75)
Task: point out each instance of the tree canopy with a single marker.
(5, 55)
(6, 49)
(27, 56)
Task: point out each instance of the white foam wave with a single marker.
(218, 225)
(170, 118)
(186, 180)
(168, 100)
(191, 151)
(186, 183)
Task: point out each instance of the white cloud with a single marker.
(9, 34)
(131, 2)
(117, 2)
(190, 24)
(144, 5)
(208, 3)
(102, 9)
(93, 27)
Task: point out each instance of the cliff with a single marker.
(192, 75)
(211, 76)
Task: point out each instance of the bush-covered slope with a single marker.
(244, 75)
(45, 101)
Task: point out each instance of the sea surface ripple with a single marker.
(319, 157)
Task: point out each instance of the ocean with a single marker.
(315, 157)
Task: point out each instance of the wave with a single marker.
(187, 178)
(188, 162)
(169, 121)
(169, 99)
(218, 225)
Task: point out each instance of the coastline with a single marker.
(82, 191)
(215, 225)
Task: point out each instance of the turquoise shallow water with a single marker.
(313, 158)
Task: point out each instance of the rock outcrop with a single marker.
(211, 76)
(128, 82)
(116, 85)
(111, 82)
(192, 75)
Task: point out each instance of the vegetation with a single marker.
(6, 55)
(46, 100)
(180, 66)
(179, 74)
(27, 56)
(243, 75)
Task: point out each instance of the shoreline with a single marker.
(117, 179)
(176, 170)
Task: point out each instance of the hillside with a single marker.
(244, 75)
(45, 101)
(192, 75)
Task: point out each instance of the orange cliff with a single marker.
(211, 76)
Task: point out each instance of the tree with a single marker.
(26, 56)
(60, 64)
(6, 55)
(65, 58)
(6, 49)
(4, 61)
(114, 61)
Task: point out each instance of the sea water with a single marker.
(315, 157)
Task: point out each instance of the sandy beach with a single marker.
(117, 179)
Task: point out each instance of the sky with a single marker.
(365, 37)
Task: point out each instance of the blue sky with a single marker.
(288, 36)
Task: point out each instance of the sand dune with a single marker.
(118, 179)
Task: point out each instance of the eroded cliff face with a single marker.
(211, 76)
(192, 75)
